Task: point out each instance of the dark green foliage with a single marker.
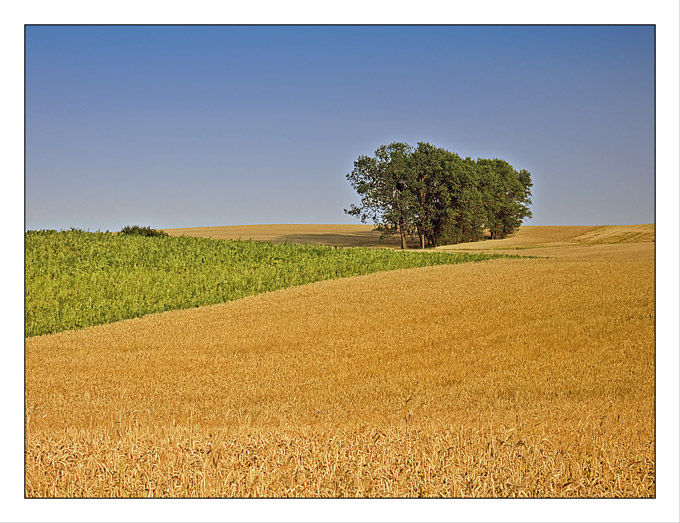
(383, 183)
(75, 279)
(432, 197)
(136, 230)
(507, 196)
(439, 196)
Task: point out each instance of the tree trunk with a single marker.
(402, 233)
(422, 240)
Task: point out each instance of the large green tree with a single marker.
(431, 195)
(463, 215)
(382, 182)
(506, 194)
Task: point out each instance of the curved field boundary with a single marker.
(78, 279)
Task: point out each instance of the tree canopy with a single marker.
(438, 196)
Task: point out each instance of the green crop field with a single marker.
(76, 279)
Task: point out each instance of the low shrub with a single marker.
(136, 230)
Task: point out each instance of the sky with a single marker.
(189, 126)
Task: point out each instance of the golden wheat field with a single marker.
(525, 377)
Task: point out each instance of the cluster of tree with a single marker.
(438, 196)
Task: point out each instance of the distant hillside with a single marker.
(354, 235)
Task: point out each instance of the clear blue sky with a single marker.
(200, 126)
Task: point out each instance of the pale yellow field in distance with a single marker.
(512, 377)
(543, 238)
(350, 235)
(598, 242)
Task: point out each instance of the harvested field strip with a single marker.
(618, 234)
(77, 279)
(516, 377)
(540, 237)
